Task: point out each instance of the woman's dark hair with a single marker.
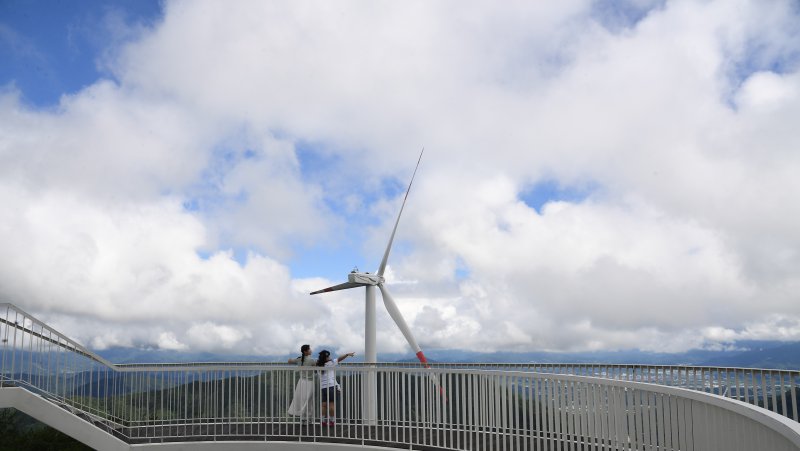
(303, 350)
(323, 357)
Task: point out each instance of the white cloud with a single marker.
(216, 337)
(685, 132)
(167, 340)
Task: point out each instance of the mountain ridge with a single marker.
(746, 354)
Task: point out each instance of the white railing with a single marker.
(773, 389)
(459, 407)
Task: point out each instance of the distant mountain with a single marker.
(752, 354)
(136, 355)
(783, 356)
(616, 357)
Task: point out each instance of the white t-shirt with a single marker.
(328, 378)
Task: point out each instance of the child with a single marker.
(329, 386)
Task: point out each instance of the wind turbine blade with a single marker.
(341, 286)
(391, 238)
(394, 312)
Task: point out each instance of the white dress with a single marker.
(303, 390)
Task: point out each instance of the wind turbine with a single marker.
(369, 281)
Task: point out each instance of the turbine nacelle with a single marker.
(364, 278)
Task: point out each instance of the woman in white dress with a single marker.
(300, 405)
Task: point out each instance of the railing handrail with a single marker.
(77, 346)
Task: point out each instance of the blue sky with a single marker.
(53, 48)
(596, 174)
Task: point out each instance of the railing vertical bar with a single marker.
(552, 414)
(576, 412)
(730, 380)
(591, 416)
(141, 392)
(541, 411)
(626, 413)
(611, 400)
(564, 401)
(536, 416)
(657, 419)
(688, 382)
(434, 409)
(385, 424)
(716, 376)
(39, 356)
(612, 416)
(688, 421)
(464, 407)
(647, 427)
(680, 423)
(774, 389)
(581, 413)
(555, 385)
(621, 417)
(500, 412)
(675, 421)
(452, 410)
(572, 422)
(558, 410)
(636, 418)
(161, 390)
(506, 402)
(599, 415)
(14, 348)
(453, 401)
(561, 406)
(480, 411)
(792, 383)
(488, 420)
(22, 356)
(519, 406)
(523, 429)
(649, 432)
(784, 409)
(417, 417)
(742, 389)
(491, 386)
(401, 425)
(740, 380)
(4, 333)
(547, 413)
(149, 414)
(586, 417)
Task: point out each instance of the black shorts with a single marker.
(329, 394)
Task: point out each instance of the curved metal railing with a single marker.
(773, 389)
(447, 406)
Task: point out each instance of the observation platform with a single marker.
(508, 407)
